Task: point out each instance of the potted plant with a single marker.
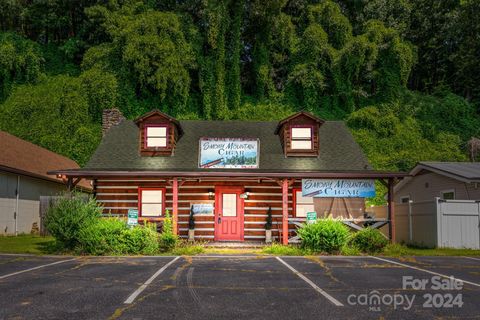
(268, 226)
(191, 226)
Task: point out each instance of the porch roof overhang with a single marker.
(95, 174)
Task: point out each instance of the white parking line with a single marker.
(313, 285)
(34, 268)
(425, 270)
(229, 256)
(144, 286)
(477, 259)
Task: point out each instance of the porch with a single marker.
(118, 191)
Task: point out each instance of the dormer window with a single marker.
(156, 136)
(301, 138)
(300, 135)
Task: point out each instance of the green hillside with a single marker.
(403, 74)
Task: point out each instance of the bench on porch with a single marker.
(356, 224)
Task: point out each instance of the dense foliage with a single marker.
(402, 73)
(168, 239)
(325, 235)
(68, 216)
(113, 236)
(369, 240)
(74, 221)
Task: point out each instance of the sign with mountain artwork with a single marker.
(233, 153)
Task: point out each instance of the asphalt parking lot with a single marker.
(238, 287)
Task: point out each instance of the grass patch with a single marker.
(28, 244)
(281, 250)
(233, 251)
(33, 244)
(349, 250)
(397, 250)
(183, 248)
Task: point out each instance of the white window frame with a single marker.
(443, 192)
(296, 204)
(161, 202)
(147, 136)
(301, 139)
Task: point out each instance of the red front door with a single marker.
(228, 214)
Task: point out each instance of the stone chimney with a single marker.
(110, 118)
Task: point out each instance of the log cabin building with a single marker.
(230, 173)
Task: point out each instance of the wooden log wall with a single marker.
(119, 195)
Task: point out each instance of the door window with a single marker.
(229, 204)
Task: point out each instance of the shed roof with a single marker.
(463, 170)
(23, 157)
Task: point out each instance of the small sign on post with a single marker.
(132, 217)
(311, 217)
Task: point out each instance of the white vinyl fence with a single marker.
(458, 223)
(437, 223)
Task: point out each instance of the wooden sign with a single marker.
(202, 208)
(233, 153)
(338, 188)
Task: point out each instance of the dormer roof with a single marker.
(296, 115)
(157, 112)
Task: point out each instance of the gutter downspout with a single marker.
(410, 228)
(17, 195)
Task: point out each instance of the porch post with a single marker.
(285, 211)
(391, 210)
(175, 205)
(70, 184)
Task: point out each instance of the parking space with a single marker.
(13, 263)
(85, 288)
(358, 281)
(221, 287)
(465, 268)
(229, 288)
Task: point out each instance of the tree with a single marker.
(102, 89)
(150, 51)
(337, 26)
(430, 31)
(53, 114)
(466, 30)
(308, 77)
(21, 61)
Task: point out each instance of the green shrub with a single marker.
(113, 236)
(68, 216)
(325, 235)
(369, 240)
(168, 239)
(102, 237)
(349, 250)
(140, 240)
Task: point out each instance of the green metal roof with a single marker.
(119, 149)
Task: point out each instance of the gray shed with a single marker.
(24, 179)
